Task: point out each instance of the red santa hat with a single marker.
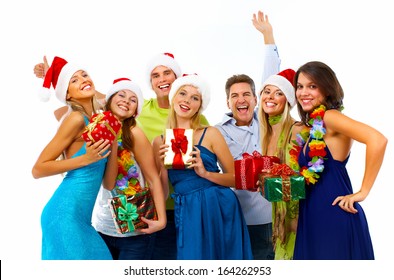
(284, 81)
(126, 83)
(58, 75)
(163, 59)
(192, 80)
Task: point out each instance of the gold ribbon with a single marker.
(94, 122)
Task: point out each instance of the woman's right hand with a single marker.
(97, 151)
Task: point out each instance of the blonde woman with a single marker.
(278, 129)
(208, 217)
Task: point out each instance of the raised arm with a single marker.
(272, 60)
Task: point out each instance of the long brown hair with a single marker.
(326, 80)
(127, 125)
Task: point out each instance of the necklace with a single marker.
(317, 146)
(272, 120)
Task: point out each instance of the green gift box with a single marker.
(283, 188)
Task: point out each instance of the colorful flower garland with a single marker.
(317, 147)
(127, 180)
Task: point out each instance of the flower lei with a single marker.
(127, 180)
(317, 147)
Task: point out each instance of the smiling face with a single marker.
(162, 78)
(80, 86)
(124, 104)
(308, 94)
(242, 102)
(272, 100)
(187, 102)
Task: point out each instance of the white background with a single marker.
(215, 39)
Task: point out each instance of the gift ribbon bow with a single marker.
(284, 171)
(127, 213)
(255, 154)
(179, 147)
(94, 122)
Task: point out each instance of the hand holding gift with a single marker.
(180, 142)
(127, 210)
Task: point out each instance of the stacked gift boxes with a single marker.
(281, 183)
(248, 168)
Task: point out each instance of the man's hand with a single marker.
(41, 69)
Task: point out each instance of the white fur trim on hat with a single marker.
(123, 84)
(63, 81)
(284, 85)
(193, 80)
(163, 59)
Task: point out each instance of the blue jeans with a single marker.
(129, 248)
(164, 242)
(261, 241)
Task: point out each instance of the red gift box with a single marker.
(248, 168)
(180, 142)
(102, 126)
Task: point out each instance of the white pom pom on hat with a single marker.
(284, 81)
(192, 80)
(126, 83)
(58, 75)
(165, 59)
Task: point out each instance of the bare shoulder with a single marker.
(213, 131)
(74, 119)
(298, 127)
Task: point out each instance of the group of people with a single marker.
(200, 214)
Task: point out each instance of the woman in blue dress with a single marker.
(67, 233)
(332, 224)
(208, 217)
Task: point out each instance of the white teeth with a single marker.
(123, 108)
(242, 107)
(164, 86)
(86, 87)
(184, 107)
(269, 104)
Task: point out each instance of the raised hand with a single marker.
(262, 24)
(41, 69)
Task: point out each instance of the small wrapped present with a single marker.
(180, 141)
(127, 210)
(282, 184)
(248, 168)
(102, 126)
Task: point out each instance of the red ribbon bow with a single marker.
(255, 154)
(179, 147)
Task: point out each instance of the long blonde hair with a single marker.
(286, 124)
(195, 122)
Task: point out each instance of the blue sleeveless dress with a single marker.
(67, 233)
(327, 232)
(208, 217)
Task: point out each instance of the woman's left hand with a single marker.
(347, 202)
(196, 163)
